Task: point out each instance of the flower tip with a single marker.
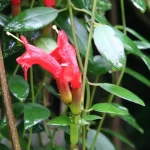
(55, 28)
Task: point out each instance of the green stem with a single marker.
(33, 100)
(89, 45)
(42, 84)
(93, 91)
(16, 69)
(118, 82)
(32, 3)
(74, 35)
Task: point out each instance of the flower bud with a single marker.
(64, 91)
(76, 105)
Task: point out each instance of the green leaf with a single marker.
(52, 90)
(122, 92)
(137, 76)
(3, 147)
(3, 20)
(110, 108)
(130, 120)
(102, 142)
(119, 136)
(18, 87)
(140, 4)
(99, 65)
(34, 113)
(60, 121)
(45, 43)
(92, 117)
(109, 45)
(146, 60)
(129, 45)
(81, 33)
(32, 19)
(18, 109)
(142, 44)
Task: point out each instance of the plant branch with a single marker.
(8, 106)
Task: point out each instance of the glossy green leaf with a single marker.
(140, 4)
(102, 142)
(129, 45)
(60, 121)
(146, 60)
(34, 113)
(92, 117)
(3, 147)
(130, 120)
(18, 87)
(81, 33)
(142, 44)
(32, 19)
(3, 20)
(122, 92)
(109, 45)
(3, 4)
(119, 136)
(138, 76)
(99, 65)
(110, 108)
(45, 43)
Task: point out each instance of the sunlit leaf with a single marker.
(109, 45)
(18, 87)
(122, 92)
(142, 44)
(110, 108)
(92, 117)
(34, 113)
(32, 19)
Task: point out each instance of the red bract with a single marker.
(35, 55)
(66, 54)
(49, 3)
(15, 2)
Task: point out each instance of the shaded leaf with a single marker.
(109, 45)
(3, 147)
(32, 19)
(34, 113)
(122, 92)
(52, 90)
(130, 120)
(45, 43)
(99, 65)
(60, 121)
(140, 4)
(3, 4)
(146, 60)
(119, 136)
(137, 76)
(102, 142)
(110, 108)
(18, 87)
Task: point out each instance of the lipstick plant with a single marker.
(56, 83)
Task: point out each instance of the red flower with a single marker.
(15, 2)
(35, 55)
(49, 3)
(66, 54)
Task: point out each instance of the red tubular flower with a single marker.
(66, 54)
(15, 2)
(49, 3)
(35, 55)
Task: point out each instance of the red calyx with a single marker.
(15, 2)
(49, 3)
